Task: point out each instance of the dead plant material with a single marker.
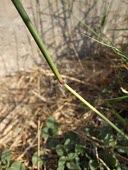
(27, 97)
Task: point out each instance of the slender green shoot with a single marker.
(106, 12)
(36, 37)
(116, 50)
(40, 44)
(95, 110)
(122, 120)
(84, 24)
(118, 98)
(119, 29)
(103, 40)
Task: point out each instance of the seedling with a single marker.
(6, 162)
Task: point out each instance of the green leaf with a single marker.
(93, 164)
(52, 124)
(43, 158)
(60, 150)
(53, 131)
(62, 160)
(17, 166)
(62, 167)
(77, 159)
(68, 145)
(79, 149)
(72, 165)
(45, 132)
(109, 140)
(71, 156)
(122, 149)
(6, 156)
(67, 142)
(50, 129)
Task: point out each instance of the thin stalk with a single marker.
(95, 110)
(40, 44)
(116, 50)
(122, 120)
(89, 28)
(104, 41)
(36, 37)
(38, 165)
(119, 29)
(103, 21)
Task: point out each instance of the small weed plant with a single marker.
(95, 149)
(7, 164)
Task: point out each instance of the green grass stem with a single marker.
(122, 120)
(116, 50)
(106, 12)
(95, 110)
(40, 44)
(118, 29)
(103, 40)
(36, 37)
